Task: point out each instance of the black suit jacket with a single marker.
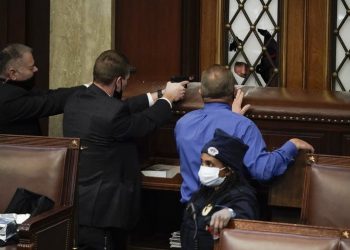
(21, 109)
(109, 174)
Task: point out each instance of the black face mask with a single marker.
(118, 94)
(26, 84)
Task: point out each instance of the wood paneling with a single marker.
(161, 38)
(3, 23)
(286, 190)
(293, 43)
(16, 21)
(37, 36)
(321, 118)
(317, 33)
(148, 32)
(12, 21)
(167, 150)
(190, 38)
(305, 44)
(277, 133)
(345, 144)
(305, 33)
(211, 33)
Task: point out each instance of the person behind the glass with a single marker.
(224, 193)
(268, 64)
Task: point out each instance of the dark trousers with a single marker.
(93, 238)
(203, 240)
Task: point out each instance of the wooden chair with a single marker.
(345, 244)
(247, 235)
(326, 197)
(47, 166)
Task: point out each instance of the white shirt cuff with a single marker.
(87, 84)
(150, 99)
(171, 106)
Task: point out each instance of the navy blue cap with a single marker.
(230, 150)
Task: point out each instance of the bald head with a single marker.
(217, 82)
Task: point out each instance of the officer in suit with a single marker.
(109, 174)
(224, 193)
(21, 105)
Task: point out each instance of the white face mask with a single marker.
(209, 176)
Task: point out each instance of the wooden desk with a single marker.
(168, 184)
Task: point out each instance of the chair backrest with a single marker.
(326, 198)
(47, 166)
(345, 244)
(246, 235)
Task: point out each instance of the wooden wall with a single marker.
(159, 37)
(305, 32)
(306, 42)
(164, 38)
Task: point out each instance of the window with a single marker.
(252, 41)
(341, 45)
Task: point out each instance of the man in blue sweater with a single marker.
(196, 128)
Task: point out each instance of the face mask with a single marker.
(119, 94)
(209, 176)
(26, 84)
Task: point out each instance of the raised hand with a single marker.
(237, 103)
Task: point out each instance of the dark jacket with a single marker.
(21, 109)
(241, 198)
(109, 174)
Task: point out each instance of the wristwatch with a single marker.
(159, 92)
(233, 214)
